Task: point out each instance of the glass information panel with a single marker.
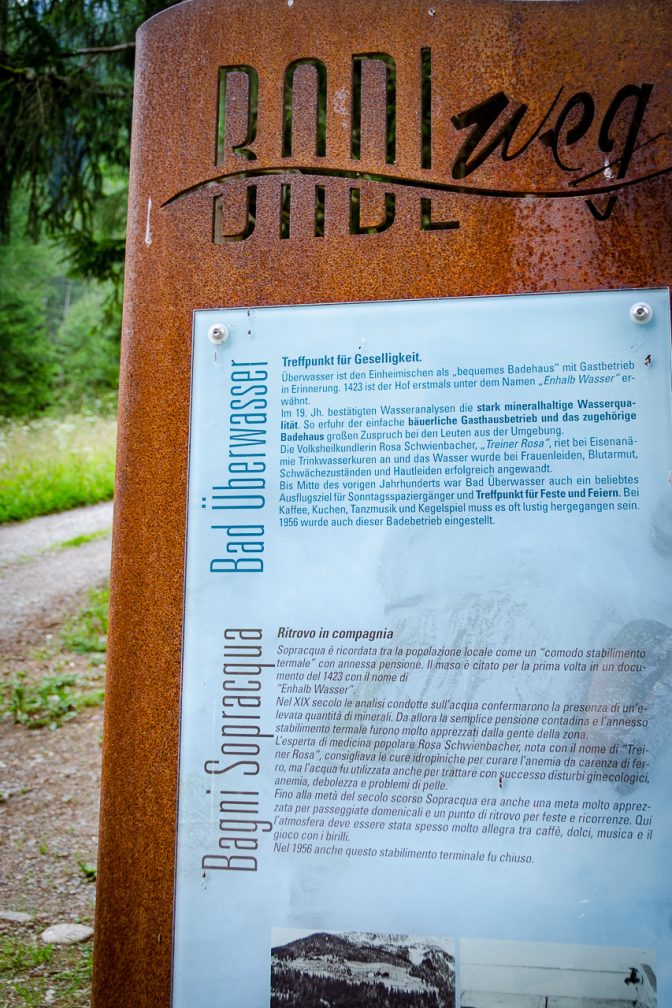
(427, 656)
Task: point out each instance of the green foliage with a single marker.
(65, 102)
(74, 981)
(86, 348)
(26, 372)
(88, 870)
(59, 336)
(50, 701)
(29, 969)
(66, 71)
(59, 693)
(86, 631)
(19, 954)
(54, 464)
(82, 540)
(27, 298)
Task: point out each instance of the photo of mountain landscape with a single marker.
(361, 970)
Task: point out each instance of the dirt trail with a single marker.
(39, 583)
(49, 780)
(49, 790)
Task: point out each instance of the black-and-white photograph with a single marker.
(506, 974)
(313, 969)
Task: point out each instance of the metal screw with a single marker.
(641, 313)
(218, 333)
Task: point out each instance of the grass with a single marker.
(67, 544)
(17, 954)
(53, 700)
(53, 464)
(32, 973)
(86, 631)
(81, 540)
(59, 693)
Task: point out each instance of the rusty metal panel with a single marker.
(313, 152)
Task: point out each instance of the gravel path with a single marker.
(38, 581)
(49, 783)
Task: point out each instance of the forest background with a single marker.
(66, 83)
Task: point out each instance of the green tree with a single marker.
(29, 296)
(86, 350)
(59, 335)
(66, 79)
(66, 70)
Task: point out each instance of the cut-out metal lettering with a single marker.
(320, 210)
(320, 106)
(356, 226)
(494, 127)
(218, 234)
(428, 224)
(482, 118)
(285, 209)
(390, 104)
(426, 108)
(243, 147)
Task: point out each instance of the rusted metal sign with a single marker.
(310, 153)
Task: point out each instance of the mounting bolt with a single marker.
(641, 313)
(218, 333)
